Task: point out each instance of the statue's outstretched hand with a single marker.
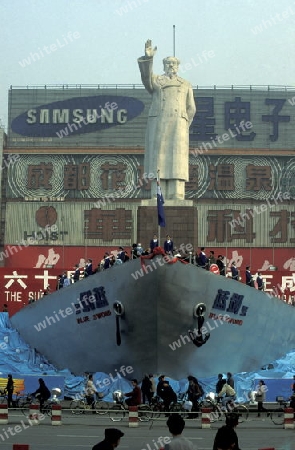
(149, 50)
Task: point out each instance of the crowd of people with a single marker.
(199, 259)
(226, 437)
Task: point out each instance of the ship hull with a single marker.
(242, 329)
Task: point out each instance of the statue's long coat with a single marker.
(170, 115)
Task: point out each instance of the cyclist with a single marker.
(167, 395)
(194, 393)
(229, 394)
(42, 393)
(91, 392)
(135, 395)
(161, 380)
(219, 385)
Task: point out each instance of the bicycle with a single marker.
(157, 407)
(25, 406)
(53, 400)
(16, 401)
(47, 405)
(118, 411)
(82, 404)
(178, 406)
(230, 407)
(277, 415)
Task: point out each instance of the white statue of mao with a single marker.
(170, 115)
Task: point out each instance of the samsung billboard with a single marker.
(117, 117)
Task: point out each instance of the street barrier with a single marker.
(133, 416)
(56, 415)
(289, 419)
(205, 418)
(34, 414)
(3, 414)
(21, 447)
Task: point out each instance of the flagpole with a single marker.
(173, 40)
(159, 228)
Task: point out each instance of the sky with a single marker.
(219, 42)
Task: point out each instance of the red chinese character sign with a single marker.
(19, 286)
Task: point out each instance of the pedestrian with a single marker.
(121, 254)
(168, 245)
(139, 249)
(221, 265)
(202, 259)
(111, 440)
(154, 388)
(249, 278)
(134, 251)
(9, 389)
(230, 380)
(226, 436)
(259, 281)
(60, 282)
(154, 243)
(260, 397)
(234, 271)
(176, 426)
(88, 268)
(146, 389)
(76, 275)
(211, 259)
(66, 280)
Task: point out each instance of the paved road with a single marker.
(82, 432)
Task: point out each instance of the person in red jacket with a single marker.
(135, 395)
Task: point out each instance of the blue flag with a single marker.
(160, 203)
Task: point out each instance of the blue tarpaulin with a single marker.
(19, 359)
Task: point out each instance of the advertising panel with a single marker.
(270, 224)
(80, 116)
(111, 177)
